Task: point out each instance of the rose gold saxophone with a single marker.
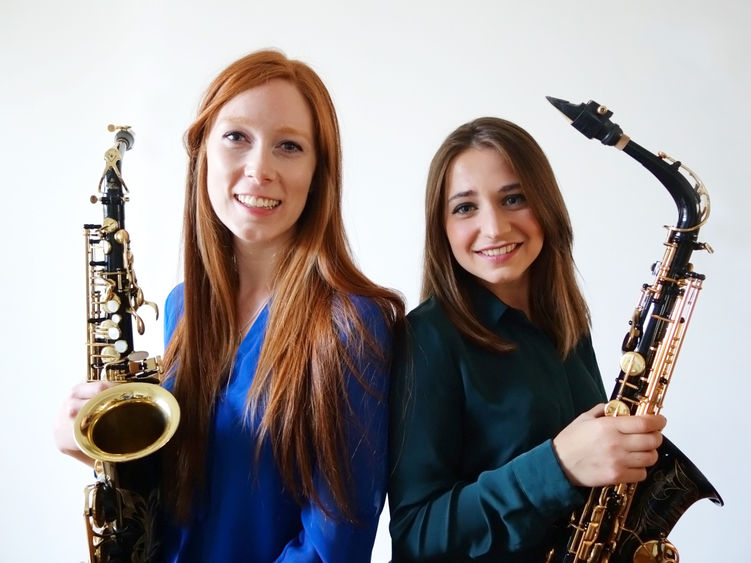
(630, 522)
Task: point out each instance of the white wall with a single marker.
(402, 74)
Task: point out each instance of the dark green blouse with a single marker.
(474, 475)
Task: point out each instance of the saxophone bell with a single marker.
(126, 422)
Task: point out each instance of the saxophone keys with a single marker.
(656, 551)
(122, 237)
(138, 356)
(109, 225)
(111, 328)
(140, 326)
(138, 298)
(595, 553)
(617, 408)
(141, 366)
(632, 363)
(109, 354)
(112, 305)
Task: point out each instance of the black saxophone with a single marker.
(123, 427)
(630, 522)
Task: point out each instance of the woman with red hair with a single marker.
(279, 348)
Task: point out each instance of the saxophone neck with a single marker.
(592, 120)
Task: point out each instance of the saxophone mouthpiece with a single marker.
(123, 134)
(591, 119)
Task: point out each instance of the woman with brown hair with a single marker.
(497, 415)
(278, 346)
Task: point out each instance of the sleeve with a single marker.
(334, 539)
(173, 310)
(435, 509)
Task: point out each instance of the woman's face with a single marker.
(490, 227)
(260, 161)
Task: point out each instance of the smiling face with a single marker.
(492, 231)
(260, 162)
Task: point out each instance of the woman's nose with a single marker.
(494, 223)
(259, 165)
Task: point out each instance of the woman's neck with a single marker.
(256, 268)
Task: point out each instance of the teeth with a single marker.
(498, 251)
(253, 201)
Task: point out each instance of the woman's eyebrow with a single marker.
(465, 193)
(469, 193)
(510, 187)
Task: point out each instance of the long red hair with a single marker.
(310, 311)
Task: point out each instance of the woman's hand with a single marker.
(64, 423)
(596, 450)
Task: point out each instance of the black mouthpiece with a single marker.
(591, 119)
(125, 136)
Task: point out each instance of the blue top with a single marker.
(475, 477)
(247, 515)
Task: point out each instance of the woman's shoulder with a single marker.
(173, 310)
(428, 326)
(176, 298)
(366, 307)
(371, 315)
(429, 315)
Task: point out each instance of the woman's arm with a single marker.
(438, 508)
(435, 509)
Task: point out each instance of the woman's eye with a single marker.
(234, 136)
(514, 200)
(463, 209)
(290, 146)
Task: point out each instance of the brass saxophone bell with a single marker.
(126, 422)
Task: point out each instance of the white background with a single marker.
(402, 75)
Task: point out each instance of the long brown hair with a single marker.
(556, 303)
(303, 363)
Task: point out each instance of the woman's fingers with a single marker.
(596, 450)
(63, 429)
